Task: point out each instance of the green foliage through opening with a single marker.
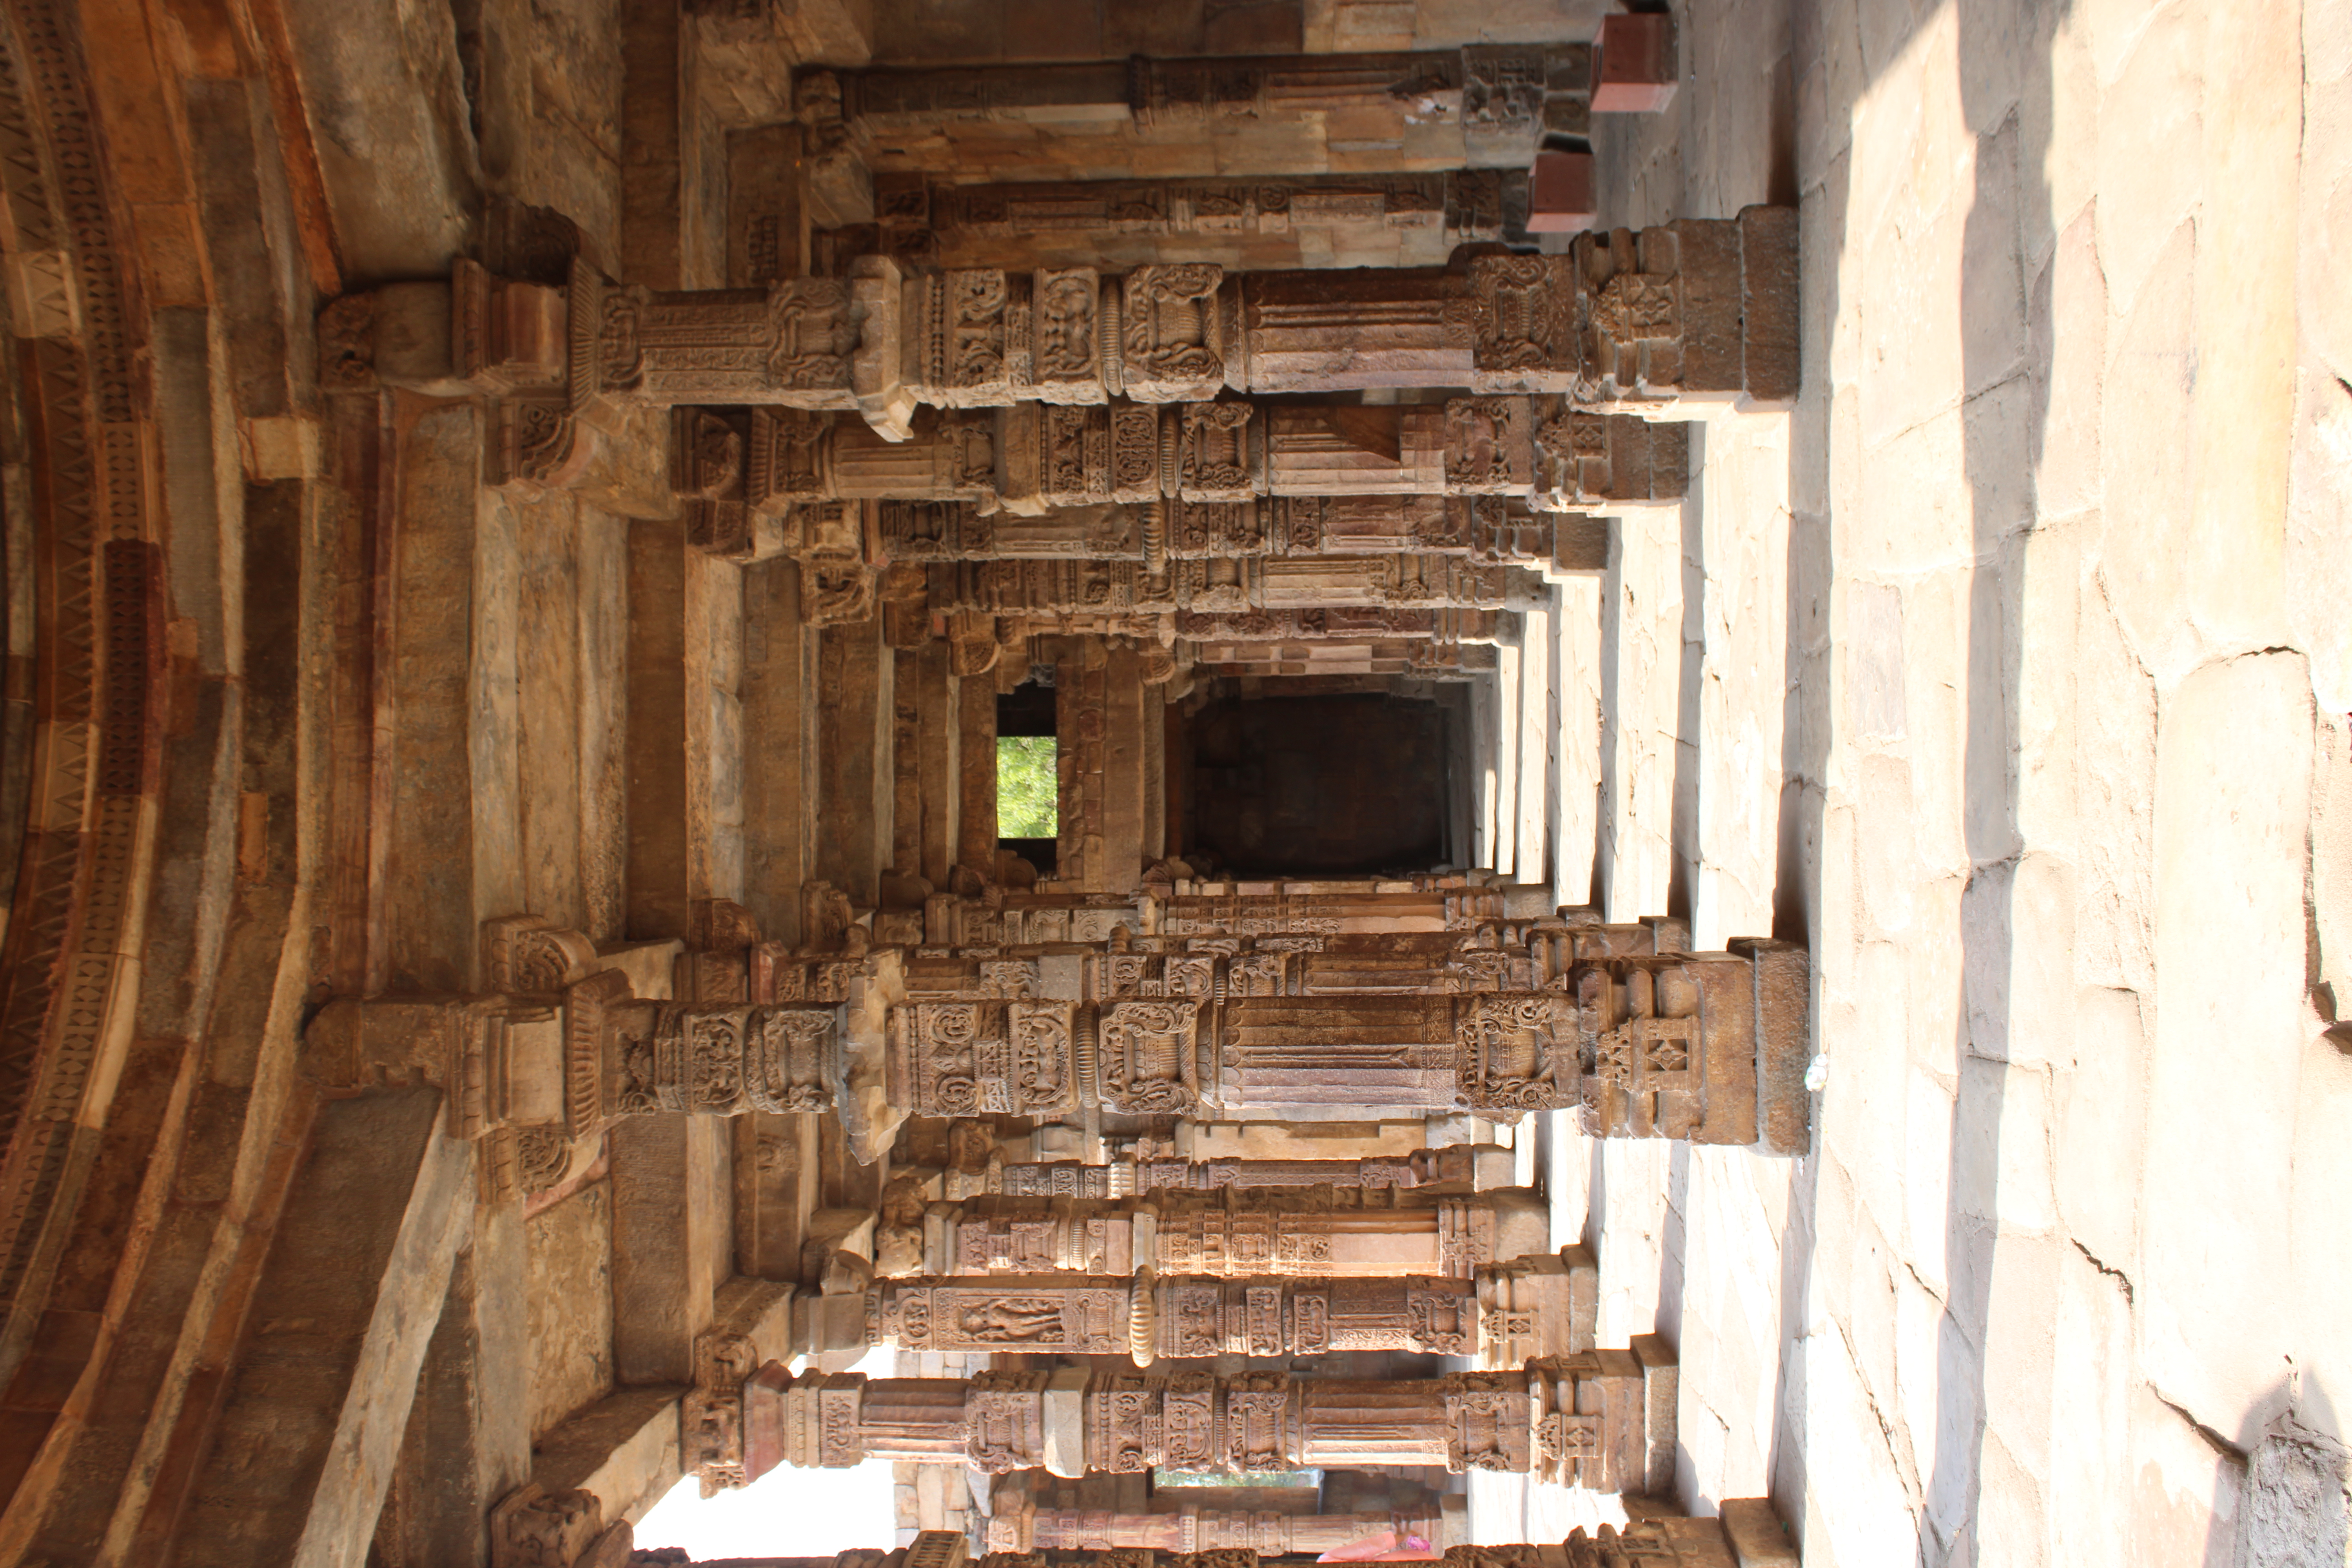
(1028, 787)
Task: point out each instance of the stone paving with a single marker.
(2009, 671)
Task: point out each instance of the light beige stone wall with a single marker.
(571, 1260)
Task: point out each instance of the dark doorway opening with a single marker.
(1336, 785)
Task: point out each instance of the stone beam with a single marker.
(311, 1426)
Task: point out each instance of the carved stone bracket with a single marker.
(534, 1528)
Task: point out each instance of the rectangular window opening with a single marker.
(1028, 786)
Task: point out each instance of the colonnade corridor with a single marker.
(1175, 783)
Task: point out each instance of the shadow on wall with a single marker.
(1334, 785)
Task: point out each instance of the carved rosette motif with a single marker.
(1512, 1052)
(1147, 1063)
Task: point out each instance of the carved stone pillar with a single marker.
(1306, 1020)
(1456, 1164)
(562, 1043)
(1321, 1233)
(1373, 219)
(1495, 101)
(1032, 1513)
(1208, 462)
(1150, 1317)
(1698, 308)
(1602, 1419)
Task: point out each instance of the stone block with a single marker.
(1560, 194)
(1758, 1537)
(1635, 71)
(1770, 303)
(1253, 27)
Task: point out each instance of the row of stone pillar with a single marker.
(534, 1528)
(1711, 1047)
